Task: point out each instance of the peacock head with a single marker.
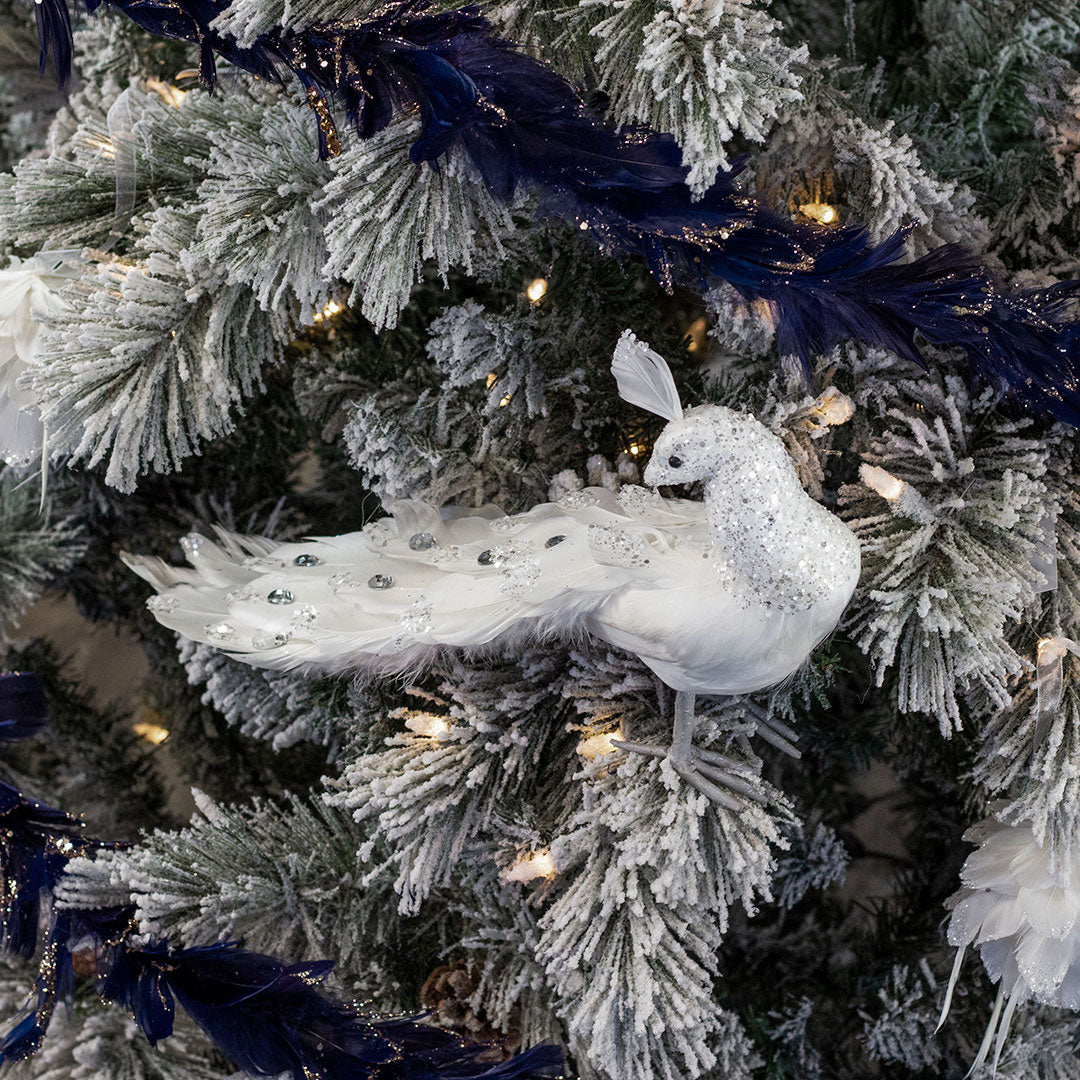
(705, 443)
(711, 442)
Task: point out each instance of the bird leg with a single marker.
(716, 776)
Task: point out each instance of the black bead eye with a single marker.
(675, 462)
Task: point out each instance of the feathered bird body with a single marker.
(724, 596)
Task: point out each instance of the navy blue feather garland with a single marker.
(522, 124)
(267, 1016)
(269, 1019)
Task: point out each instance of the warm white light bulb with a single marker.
(598, 745)
(537, 864)
(833, 408)
(822, 213)
(537, 289)
(152, 733)
(696, 335)
(883, 482)
(428, 725)
(171, 95)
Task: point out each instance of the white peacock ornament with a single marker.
(725, 596)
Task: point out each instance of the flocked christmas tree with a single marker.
(205, 322)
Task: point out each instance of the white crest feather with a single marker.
(644, 378)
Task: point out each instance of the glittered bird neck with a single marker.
(770, 535)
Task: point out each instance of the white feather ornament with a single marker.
(28, 288)
(725, 596)
(644, 378)
(1023, 919)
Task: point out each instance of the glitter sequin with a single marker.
(304, 618)
(380, 581)
(422, 541)
(618, 547)
(577, 500)
(416, 619)
(751, 495)
(191, 545)
(343, 582)
(306, 560)
(280, 596)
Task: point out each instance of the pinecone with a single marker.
(84, 963)
(448, 991)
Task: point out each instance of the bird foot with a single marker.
(705, 771)
(717, 776)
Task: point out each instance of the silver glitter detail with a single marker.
(304, 618)
(554, 541)
(219, 632)
(504, 524)
(306, 560)
(243, 595)
(343, 581)
(10, 457)
(270, 641)
(441, 555)
(422, 542)
(261, 562)
(162, 604)
(280, 596)
(577, 500)
(506, 554)
(380, 581)
(416, 619)
(766, 528)
(618, 547)
(639, 501)
(379, 533)
(520, 578)
(191, 545)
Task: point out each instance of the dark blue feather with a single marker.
(55, 981)
(23, 706)
(34, 843)
(56, 973)
(269, 1019)
(523, 125)
(54, 36)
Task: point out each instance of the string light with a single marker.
(505, 400)
(492, 379)
(104, 145)
(171, 95)
(599, 745)
(635, 448)
(332, 308)
(833, 408)
(696, 335)
(526, 868)
(889, 487)
(537, 290)
(821, 212)
(150, 732)
(428, 725)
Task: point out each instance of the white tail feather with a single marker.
(644, 378)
